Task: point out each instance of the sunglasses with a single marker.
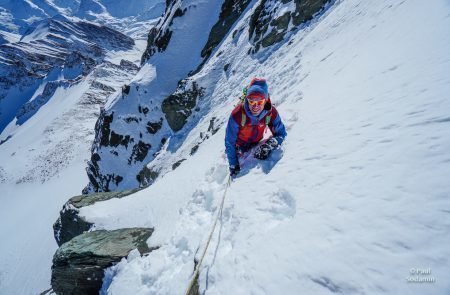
(256, 102)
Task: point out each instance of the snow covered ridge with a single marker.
(58, 48)
(60, 55)
(148, 122)
(128, 16)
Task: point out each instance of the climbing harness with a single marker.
(219, 214)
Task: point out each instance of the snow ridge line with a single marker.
(219, 213)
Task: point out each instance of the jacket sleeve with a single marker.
(230, 141)
(278, 129)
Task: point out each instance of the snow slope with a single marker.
(357, 198)
(27, 213)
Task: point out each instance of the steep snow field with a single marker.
(27, 213)
(356, 199)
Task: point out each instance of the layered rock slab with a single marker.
(78, 265)
(70, 224)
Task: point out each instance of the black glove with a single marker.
(234, 170)
(264, 150)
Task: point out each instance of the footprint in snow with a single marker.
(204, 198)
(281, 205)
(217, 173)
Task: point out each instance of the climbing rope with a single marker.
(219, 214)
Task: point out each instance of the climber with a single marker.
(248, 122)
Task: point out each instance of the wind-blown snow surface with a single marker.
(356, 197)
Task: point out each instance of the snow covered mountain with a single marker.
(57, 71)
(58, 49)
(354, 202)
(35, 36)
(128, 16)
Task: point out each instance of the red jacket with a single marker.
(246, 129)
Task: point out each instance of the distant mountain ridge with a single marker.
(16, 16)
(37, 35)
(45, 53)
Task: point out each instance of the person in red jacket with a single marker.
(248, 122)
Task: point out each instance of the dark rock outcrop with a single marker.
(153, 127)
(159, 36)
(140, 151)
(118, 139)
(146, 176)
(125, 89)
(230, 12)
(177, 164)
(128, 65)
(105, 137)
(101, 86)
(78, 265)
(214, 126)
(267, 28)
(70, 224)
(178, 106)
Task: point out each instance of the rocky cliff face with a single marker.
(83, 255)
(79, 265)
(137, 125)
(158, 116)
(229, 14)
(70, 224)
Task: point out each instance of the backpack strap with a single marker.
(243, 118)
(244, 94)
